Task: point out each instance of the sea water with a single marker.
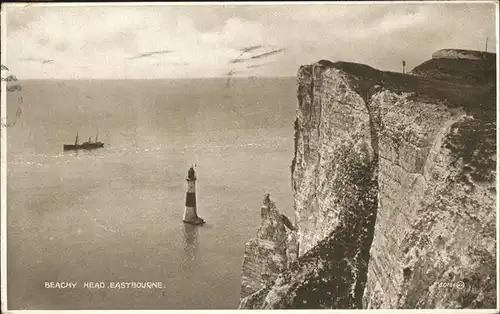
(115, 214)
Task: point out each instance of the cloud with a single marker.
(256, 65)
(23, 19)
(267, 54)
(38, 60)
(250, 48)
(207, 40)
(151, 53)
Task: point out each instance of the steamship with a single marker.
(86, 145)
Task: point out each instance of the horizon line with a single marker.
(151, 78)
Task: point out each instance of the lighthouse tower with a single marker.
(190, 214)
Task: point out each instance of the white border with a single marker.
(3, 171)
(3, 152)
(211, 3)
(498, 151)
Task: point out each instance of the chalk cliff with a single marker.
(394, 189)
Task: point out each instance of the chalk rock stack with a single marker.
(269, 253)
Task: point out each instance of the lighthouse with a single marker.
(190, 214)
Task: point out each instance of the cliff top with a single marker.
(462, 82)
(470, 84)
(463, 54)
(465, 71)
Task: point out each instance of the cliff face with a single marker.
(394, 188)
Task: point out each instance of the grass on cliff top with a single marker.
(477, 97)
(467, 53)
(471, 72)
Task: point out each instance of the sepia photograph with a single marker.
(249, 156)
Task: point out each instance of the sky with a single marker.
(138, 41)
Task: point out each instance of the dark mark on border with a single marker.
(13, 85)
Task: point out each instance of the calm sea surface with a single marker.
(115, 214)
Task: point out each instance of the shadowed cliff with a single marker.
(394, 188)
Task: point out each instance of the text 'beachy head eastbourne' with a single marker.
(104, 285)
